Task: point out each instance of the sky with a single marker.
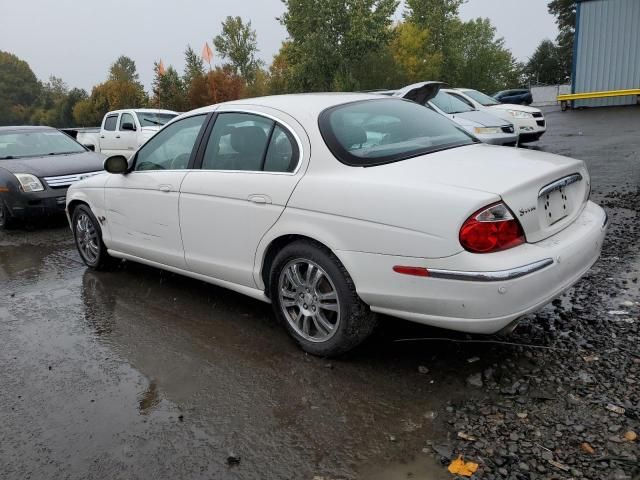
(77, 40)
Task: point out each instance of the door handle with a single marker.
(260, 199)
(117, 136)
(101, 136)
(164, 188)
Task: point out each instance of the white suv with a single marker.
(529, 121)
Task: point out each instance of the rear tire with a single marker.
(88, 236)
(314, 296)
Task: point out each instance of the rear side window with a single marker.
(110, 123)
(374, 132)
(248, 142)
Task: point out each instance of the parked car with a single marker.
(529, 122)
(485, 126)
(37, 165)
(123, 131)
(518, 96)
(338, 207)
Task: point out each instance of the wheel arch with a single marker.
(277, 244)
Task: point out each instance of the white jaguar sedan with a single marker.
(338, 207)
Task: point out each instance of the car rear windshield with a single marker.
(481, 98)
(150, 119)
(373, 132)
(36, 144)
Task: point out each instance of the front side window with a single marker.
(37, 144)
(126, 118)
(450, 104)
(171, 147)
(374, 132)
(248, 142)
(481, 98)
(110, 123)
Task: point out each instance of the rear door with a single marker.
(108, 134)
(127, 140)
(251, 160)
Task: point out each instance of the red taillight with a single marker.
(491, 229)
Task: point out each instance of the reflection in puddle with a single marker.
(149, 399)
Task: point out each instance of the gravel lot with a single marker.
(143, 374)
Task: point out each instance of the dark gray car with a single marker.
(37, 165)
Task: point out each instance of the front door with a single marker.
(142, 205)
(250, 166)
(127, 138)
(108, 134)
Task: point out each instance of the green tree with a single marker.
(168, 89)
(481, 59)
(193, 66)
(19, 89)
(546, 65)
(565, 13)
(238, 44)
(123, 69)
(436, 16)
(329, 38)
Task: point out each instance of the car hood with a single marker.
(519, 108)
(479, 118)
(55, 165)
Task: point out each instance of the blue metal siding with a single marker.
(607, 50)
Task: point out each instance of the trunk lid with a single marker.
(545, 192)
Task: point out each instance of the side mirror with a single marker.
(116, 164)
(128, 126)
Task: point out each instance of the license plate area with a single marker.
(555, 205)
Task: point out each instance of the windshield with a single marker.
(36, 144)
(481, 98)
(373, 132)
(150, 119)
(450, 104)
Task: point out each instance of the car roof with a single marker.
(297, 104)
(26, 128)
(143, 110)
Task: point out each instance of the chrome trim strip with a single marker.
(558, 184)
(66, 180)
(496, 276)
(606, 220)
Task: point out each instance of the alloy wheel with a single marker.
(309, 300)
(87, 238)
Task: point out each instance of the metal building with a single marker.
(606, 51)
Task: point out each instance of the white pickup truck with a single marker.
(123, 131)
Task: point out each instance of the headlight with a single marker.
(29, 183)
(487, 130)
(519, 114)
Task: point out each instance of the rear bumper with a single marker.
(481, 293)
(23, 206)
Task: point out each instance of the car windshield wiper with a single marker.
(152, 121)
(8, 157)
(61, 153)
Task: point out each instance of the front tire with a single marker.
(6, 220)
(314, 296)
(88, 237)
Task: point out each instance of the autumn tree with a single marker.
(225, 84)
(330, 37)
(414, 54)
(239, 46)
